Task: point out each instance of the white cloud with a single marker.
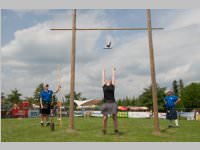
(175, 73)
(185, 19)
(36, 51)
(22, 12)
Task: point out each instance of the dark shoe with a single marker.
(170, 126)
(116, 132)
(41, 123)
(47, 124)
(177, 126)
(104, 132)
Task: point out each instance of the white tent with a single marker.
(86, 103)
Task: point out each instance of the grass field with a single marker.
(89, 130)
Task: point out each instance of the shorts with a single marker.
(109, 108)
(171, 114)
(46, 108)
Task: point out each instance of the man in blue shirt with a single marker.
(45, 103)
(171, 100)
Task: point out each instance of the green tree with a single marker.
(191, 96)
(14, 96)
(31, 100)
(137, 102)
(127, 101)
(123, 102)
(180, 105)
(133, 102)
(37, 91)
(145, 99)
(119, 102)
(6, 104)
(181, 86)
(175, 87)
(77, 96)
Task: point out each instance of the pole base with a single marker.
(52, 126)
(71, 131)
(157, 133)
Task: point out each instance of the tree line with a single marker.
(189, 94)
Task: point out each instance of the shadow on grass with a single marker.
(120, 133)
(167, 129)
(164, 130)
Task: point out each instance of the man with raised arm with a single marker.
(45, 103)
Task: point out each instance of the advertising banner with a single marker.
(33, 113)
(162, 115)
(197, 116)
(96, 114)
(122, 114)
(188, 115)
(138, 114)
(78, 113)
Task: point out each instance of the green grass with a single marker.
(89, 129)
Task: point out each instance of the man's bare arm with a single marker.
(41, 102)
(178, 101)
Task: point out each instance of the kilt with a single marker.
(171, 113)
(109, 108)
(46, 108)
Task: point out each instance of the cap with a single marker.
(46, 85)
(169, 90)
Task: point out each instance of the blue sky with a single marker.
(14, 20)
(31, 52)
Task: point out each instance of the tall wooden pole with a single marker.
(72, 78)
(153, 74)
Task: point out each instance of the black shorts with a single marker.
(171, 113)
(46, 108)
